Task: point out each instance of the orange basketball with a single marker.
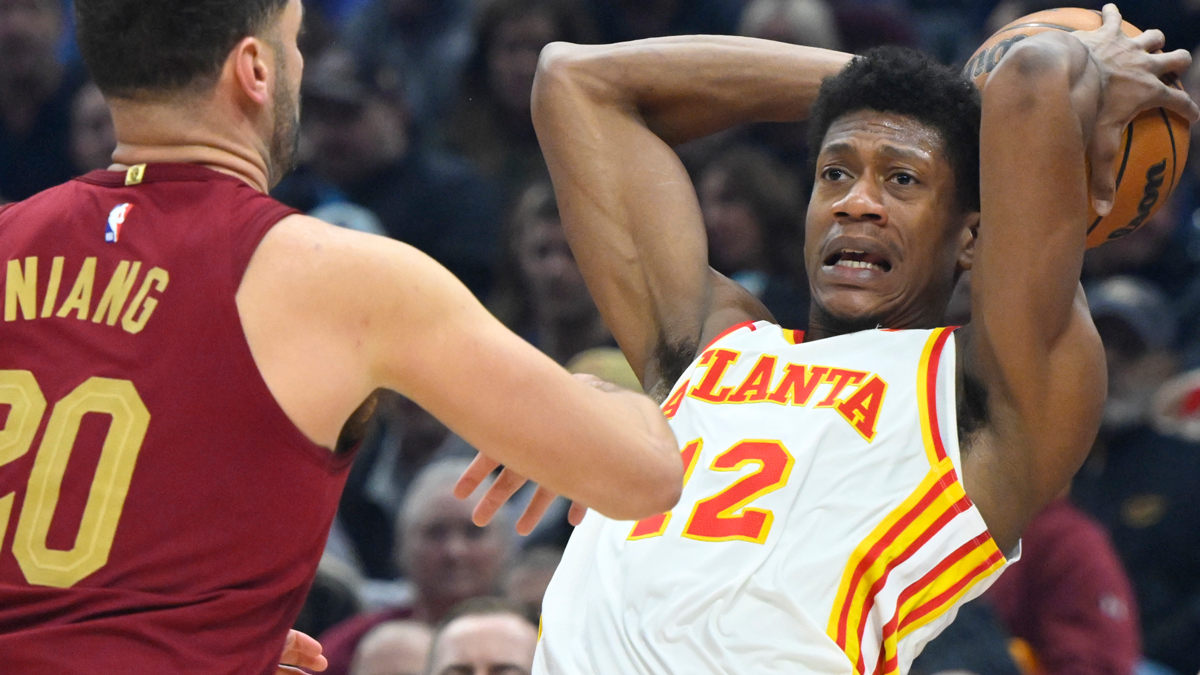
(1153, 149)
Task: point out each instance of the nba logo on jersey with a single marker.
(112, 233)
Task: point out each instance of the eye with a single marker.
(904, 179)
(833, 174)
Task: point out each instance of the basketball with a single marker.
(1153, 148)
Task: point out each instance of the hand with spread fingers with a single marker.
(300, 651)
(1131, 79)
(509, 481)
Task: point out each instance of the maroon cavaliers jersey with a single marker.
(159, 513)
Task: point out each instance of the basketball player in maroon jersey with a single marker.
(184, 363)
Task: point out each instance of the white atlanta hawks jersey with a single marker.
(823, 526)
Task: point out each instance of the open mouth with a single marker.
(853, 259)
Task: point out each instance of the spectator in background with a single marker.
(444, 556)
(362, 151)
(491, 123)
(620, 20)
(93, 138)
(333, 598)
(864, 24)
(800, 22)
(541, 295)
(36, 92)
(753, 213)
(428, 41)
(525, 584)
(1153, 252)
(394, 648)
(975, 644)
(402, 440)
(1069, 598)
(485, 636)
(1143, 485)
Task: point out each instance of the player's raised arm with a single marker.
(606, 117)
(1031, 343)
(356, 312)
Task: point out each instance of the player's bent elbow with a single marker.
(1050, 59)
(656, 485)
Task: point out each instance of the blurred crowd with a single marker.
(416, 125)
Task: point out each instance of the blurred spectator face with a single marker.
(350, 141)
(1138, 331)
(488, 644)
(735, 236)
(449, 558)
(394, 648)
(29, 33)
(801, 22)
(549, 267)
(513, 57)
(93, 138)
(354, 123)
(527, 580)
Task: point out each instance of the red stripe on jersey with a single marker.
(882, 545)
(920, 541)
(935, 358)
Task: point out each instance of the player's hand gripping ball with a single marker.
(1153, 148)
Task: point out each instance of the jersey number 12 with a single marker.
(726, 516)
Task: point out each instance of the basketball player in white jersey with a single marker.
(845, 489)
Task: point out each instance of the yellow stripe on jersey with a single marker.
(903, 533)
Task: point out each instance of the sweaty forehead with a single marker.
(865, 128)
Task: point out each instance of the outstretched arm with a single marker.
(607, 117)
(1054, 100)
(331, 315)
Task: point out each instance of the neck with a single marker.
(823, 324)
(190, 132)
(563, 338)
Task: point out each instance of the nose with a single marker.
(862, 202)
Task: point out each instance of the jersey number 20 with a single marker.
(726, 516)
(118, 399)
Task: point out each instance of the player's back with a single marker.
(822, 528)
(159, 513)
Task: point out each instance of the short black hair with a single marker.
(907, 82)
(138, 47)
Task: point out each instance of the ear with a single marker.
(253, 66)
(966, 241)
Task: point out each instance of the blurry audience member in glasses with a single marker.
(753, 213)
(360, 148)
(444, 557)
(540, 294)
(36, 93)
(1142, 480)
(491, 123)
(428, 41)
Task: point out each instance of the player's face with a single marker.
(884, 235)
(285, 133)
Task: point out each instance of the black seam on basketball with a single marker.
(1171, 135)
(1121, 172)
